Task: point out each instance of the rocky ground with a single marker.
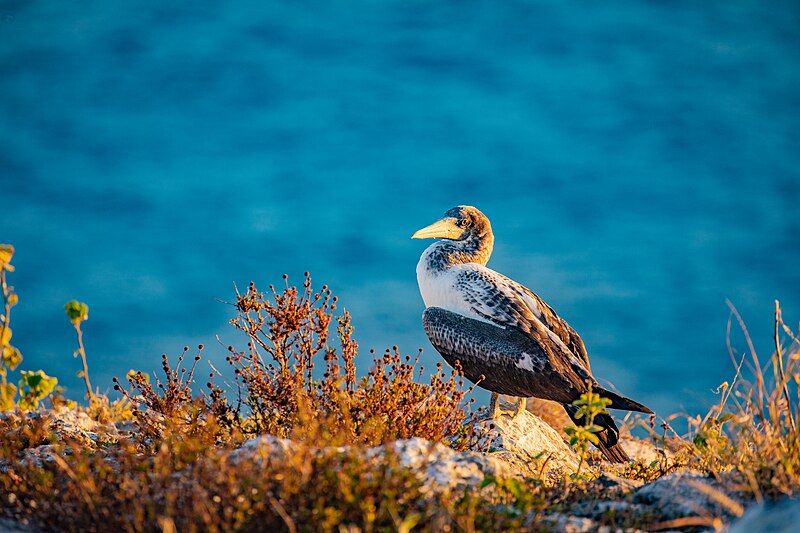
(525, 446)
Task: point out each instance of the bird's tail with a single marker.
(608, 437)
(621, 402)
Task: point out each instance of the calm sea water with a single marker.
(640, 163)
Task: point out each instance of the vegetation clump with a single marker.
(751, 434)
(292, 438)
(33, 386)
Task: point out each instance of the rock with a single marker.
(686, 493)
(618, 486)
(553, 413)
(528, 444)
(572, 524)
(444, 468)
(780, 517)
(643, 450)
(562, 523)
(441, 468)
(608, 494)
(265, 446)
(39, 456)
(523, 446)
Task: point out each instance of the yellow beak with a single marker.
(447, 228)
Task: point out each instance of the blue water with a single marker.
(640, 163)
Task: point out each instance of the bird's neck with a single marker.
(474, 249)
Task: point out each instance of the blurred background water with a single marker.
(639, 163)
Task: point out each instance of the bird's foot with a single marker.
(497, 412)
(522, 406)
(494, 406)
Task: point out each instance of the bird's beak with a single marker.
(447, 228)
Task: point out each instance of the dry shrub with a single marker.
(289, 334)
(169, 406)
(751, 434)
(19, 432)
(277, 389)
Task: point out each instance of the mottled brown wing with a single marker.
(559, 326)
(505, 302)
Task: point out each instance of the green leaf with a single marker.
(488, 480)
(6, 253)
(37, 384)
(27, 403)
(11, 357)
(409, 522)
(699, 441)
(515, 487)
(76, 311)
(6, 336)
(33, 381)
(7, 394)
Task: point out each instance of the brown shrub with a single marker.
(289, 334)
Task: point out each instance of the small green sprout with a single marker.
(77, 312)
(11, 357)
(34, 386)
(590, 405)
(6, 253)
(8, 391)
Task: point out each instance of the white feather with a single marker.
(438, 289)
(525, 363)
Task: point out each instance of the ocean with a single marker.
(639, 162)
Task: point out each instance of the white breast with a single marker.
(438, 288)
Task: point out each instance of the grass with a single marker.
(751, 435)
(165, 455)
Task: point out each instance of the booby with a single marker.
(506, 339)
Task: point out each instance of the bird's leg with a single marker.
(521, 406)
(494, 405)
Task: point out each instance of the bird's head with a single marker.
(459, 223)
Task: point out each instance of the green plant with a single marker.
(590, 405)
(751, 433)
(11, 357)
(34, 386)
(77, 312)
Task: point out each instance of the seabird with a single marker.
(506, 339)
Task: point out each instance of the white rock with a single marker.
(528, 443)
(687, 493)
(444, 468)
(781, 517)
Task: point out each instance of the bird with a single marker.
(503, 336)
